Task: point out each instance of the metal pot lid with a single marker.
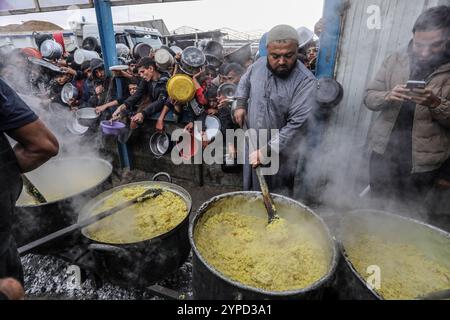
(328, 92)
(193, 57)
(69, 91)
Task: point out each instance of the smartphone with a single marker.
(414, 84)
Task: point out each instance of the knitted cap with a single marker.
(282, 32)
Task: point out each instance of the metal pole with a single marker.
(108, 42)
(329, 39)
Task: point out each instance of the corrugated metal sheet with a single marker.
(361, 52)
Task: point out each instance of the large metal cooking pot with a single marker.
(51, 49)
(67, 184)
(143, 263)
(350, 283)
(208, 283)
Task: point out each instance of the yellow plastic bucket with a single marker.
(181, 88)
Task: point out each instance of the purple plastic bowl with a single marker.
(112, 129)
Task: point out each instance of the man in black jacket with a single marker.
(153, 86)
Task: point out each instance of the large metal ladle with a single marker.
(267, 198)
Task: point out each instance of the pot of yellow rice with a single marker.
(238, 255)
(142, 243)
(386, 256)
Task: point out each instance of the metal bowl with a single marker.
(87, 117)
(68, 92)
(159, 144)
(74, 127)
(181, 88)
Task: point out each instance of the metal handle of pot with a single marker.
(162, 174)
(112, 249)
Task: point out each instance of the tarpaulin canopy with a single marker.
(13, 7)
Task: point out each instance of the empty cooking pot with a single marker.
(329, 92)
(83, 55)
(87, 117)
(164, 60)
(68, 92)
(51, 49)
(181, 88)
(122, 50)
(241, 55)
(160, 144)
(192, 59)
(228, 90)
(141, 50)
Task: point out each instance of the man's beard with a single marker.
(281, 74)
(428, 66)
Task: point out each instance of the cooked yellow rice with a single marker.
(406, 271)
(141, 221)
(281, 256)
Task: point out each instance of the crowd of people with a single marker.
(143, 96)
(409, 140)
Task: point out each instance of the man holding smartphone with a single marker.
(410, 139)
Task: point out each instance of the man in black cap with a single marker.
(35, 145)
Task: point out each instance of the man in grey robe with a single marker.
(276, 93)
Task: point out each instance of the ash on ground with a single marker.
(47, 277)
